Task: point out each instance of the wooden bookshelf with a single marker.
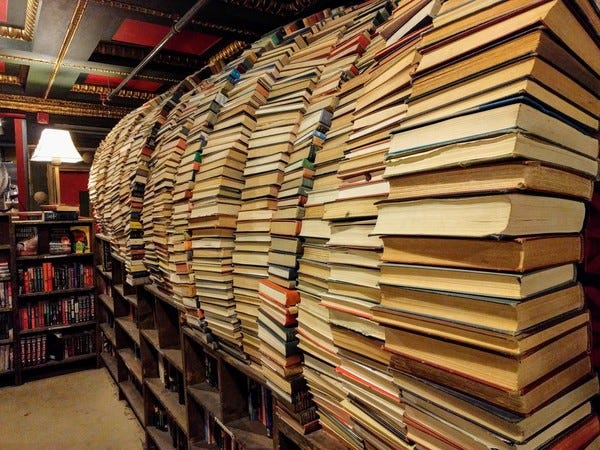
(55, 303)
(8, 311)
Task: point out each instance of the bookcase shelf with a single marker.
(46, 257)
(54, 304)
(58, 327)
(131, 393)
(57, 292)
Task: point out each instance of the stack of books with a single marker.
(216, 197)
(372, 401)
(268, 153)
(286, 244)
(171, 143)
(489, 177)
(202, 107)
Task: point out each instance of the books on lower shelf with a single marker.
(50, 276)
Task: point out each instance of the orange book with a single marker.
(279, 294)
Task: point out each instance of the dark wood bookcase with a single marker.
(54, 301)
(8, 289)
(187, 393)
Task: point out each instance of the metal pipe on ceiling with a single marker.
(175, 29)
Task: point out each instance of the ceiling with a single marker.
(65, 58)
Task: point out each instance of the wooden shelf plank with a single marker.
(103, 272)
(251, 434)
(154, 290)
(120, 290)
(62, 362)
(110, 362)
(162, 439)
(151, 336)
(208, 397)
(108, 301)
(109, 332)
(133, 364)
(57, 292)
(58, 327)
(134, 398)
(49, 256)
(130, 328)
(170, 400)
(174, 356)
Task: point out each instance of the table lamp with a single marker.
(56, 147)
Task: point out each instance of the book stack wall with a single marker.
(104, 191)
(217, 196)
(171, 141)
(269, 147)
(129, 244)
(168, 143)
(316, 341)
(372, 401)
(206, 100)
(482, 311)
(277, 320)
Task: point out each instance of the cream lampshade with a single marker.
(56, 146)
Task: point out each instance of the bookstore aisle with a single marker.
(76, 411)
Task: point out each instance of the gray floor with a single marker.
(75, 411)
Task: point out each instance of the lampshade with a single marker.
(57, 147)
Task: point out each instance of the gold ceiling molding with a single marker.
(66, 43)
(279, 8)
(25, 33)
(139, 53)
(84, 68)
(103, 91)
(232, 49)
(9, 79)
(62, 107)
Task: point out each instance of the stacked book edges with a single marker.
(390, 209)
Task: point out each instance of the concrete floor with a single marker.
(78, 411)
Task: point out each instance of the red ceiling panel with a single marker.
(136, 85)
(3, 10)
(149, 34)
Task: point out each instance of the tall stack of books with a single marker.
(109, 151)
(126, 183)
(295, 405)
(206, 100)
(171, 144)
(216, 197)
(489, 175)
(268, 153)
(372, 401)
(316, 341)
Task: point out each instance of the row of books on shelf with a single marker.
(62, 346)
(172, 378)
(6, 326)
(33, 350)
(41, 348)
(260, 405)
(163, 422)
(6, 358)
(5, 294)
(70, 310)
(4, 267)
(50, 276)
(61, 240)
